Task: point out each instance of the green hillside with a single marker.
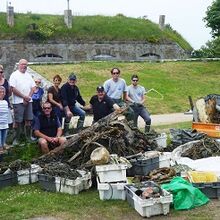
(98, 28)
(174, 80)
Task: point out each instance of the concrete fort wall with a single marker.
(12, 51)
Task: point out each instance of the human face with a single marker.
(37, 82)
(22, 66)
(115, 74)
(2, 94)
(134, 81)
(56, 82)
(47, 108)
(100, 94)
(72, 82)
(1, 73)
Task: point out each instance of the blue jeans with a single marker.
(76, 110)
(3, 135)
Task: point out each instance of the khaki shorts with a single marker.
(23, 112)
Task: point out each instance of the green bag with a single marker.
(185, 196)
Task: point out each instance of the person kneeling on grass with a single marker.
(48, 129)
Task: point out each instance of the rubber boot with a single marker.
(18, 133)
(147, 128)
(28, 133)
(80, 124)
(66, 129)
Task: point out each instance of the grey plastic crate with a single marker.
(9, 179)
(211, 190)
(47, 182)
(142, 167)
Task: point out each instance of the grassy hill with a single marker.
(98, 28)
(174, 80)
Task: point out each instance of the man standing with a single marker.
(70, 94)
(23, 87)
(116, 88)
(101, 104)
(136, 97)
(48, 129)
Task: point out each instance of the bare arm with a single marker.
(18, 93)
(41, 135)
(51, 100)
(87, 107)
(59, 132)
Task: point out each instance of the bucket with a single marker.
(161, 140)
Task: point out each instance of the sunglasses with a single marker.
(37, 82)
(114, 73)
(135, 80)
(46, 108)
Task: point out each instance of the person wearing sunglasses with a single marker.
(37, 98)
(23, 86)
(116, 89)
(136, 98)
(47, 128)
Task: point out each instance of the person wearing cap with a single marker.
(116, 89)
(136, 98)
(70, 94)
(101, 104)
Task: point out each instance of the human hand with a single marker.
(60, 106)
(69, 114)
(27, 98)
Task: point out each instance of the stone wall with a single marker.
(12, 51)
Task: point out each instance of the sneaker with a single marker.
(189, 112)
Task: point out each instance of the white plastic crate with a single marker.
(28, 176)
(149, 207)
(63, 185)
(111, 173)
(108, 191)
(161, 140)
(164, 159)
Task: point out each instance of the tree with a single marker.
(213, 18)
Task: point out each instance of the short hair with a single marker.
(115, 68)
(57, 77)
(46, 103)
(134, 76)
(2, 88)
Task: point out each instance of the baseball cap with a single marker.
(72, 76)
(100, 89)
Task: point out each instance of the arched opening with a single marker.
(150, 56)
(49, 55)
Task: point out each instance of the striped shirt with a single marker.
(4, 114)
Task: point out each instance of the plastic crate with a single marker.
(47, 182)
(108, 191)
(212, 130)
(142, 167)
(149, 207)
(111, 173)
(63, 185)
(161, 140)
(202, 177)
(164, 160)
(9, 179)
(211, 190)
(28, 176)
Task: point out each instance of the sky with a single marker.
(185, 16)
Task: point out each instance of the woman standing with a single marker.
(54, 97)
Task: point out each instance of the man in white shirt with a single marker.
(136, 97)
(23, 86)
(116, 89)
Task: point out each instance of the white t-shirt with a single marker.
(115, 89)
(23, 82)
(3, 114)
(136, 93)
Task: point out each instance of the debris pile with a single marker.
(117, 136)
(206, 147)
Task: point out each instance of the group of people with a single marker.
(45, 119)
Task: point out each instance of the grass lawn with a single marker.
(174, 80)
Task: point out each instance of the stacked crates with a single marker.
(111, 180)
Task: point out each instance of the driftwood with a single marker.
(118, 136)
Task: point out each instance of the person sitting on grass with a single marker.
(48, 129)
(4, 115)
